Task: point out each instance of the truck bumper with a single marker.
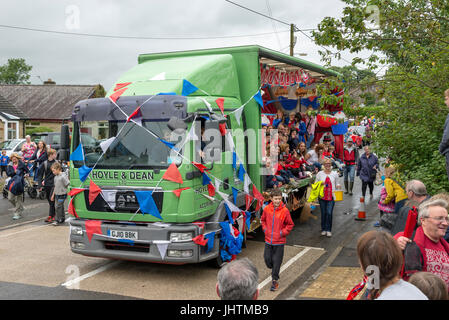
(143, 249)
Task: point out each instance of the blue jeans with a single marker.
(309, 140)
(349, 170)
(327, 208)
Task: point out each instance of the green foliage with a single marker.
(16, 71)
(29, 131)
(412, 41)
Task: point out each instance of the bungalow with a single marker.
(49, 104)
(11, 121)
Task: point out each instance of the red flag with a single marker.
(222, 127)
(92, 226)
(136, 113)
(117, 94)
(200, 240)
(211, 189)
(177, 192)
(75, 191)
(411, 222)
(235, 215)
(220, 104)
(199, 166)
(71, 209)
(173, 174)
(121, 85)
(94, 191)
(200, 225)
(248, 201)
(258, 196)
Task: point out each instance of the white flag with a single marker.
(246, 183)
(230, 141)
(109, 197)
(238, 114)
(160, 76)
(207, 105)
(105, 144)
(217, 184)
(162, 246)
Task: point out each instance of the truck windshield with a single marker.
(133, 148)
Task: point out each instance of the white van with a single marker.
(11, 146)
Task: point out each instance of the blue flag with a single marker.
(248, 219)
(187, 88)
(258, 98)
(83, 172)
(234, 160)
(210, 241)
(168, 144)
(228, 211)
(147, 204)
(241, 173)
(234, 194)
(77, 155)
(206, 179)
(166, 94)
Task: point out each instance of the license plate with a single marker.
(127, 235)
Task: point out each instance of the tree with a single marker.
(411, 40)
(16, 71)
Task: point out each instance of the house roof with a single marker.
(48, 101)
(9, 111)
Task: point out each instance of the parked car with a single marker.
(11, 146)
(51, 139)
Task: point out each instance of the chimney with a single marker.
(49, 82)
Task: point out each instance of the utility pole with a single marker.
(292, 38)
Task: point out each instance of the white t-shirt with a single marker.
(402, 290)
(313, 157)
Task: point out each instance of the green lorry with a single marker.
(139, 195)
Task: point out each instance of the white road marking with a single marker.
(90, 274)
(286, 265)
(25, 230)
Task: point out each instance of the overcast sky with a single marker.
(69, 59)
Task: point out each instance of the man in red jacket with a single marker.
(276, 224)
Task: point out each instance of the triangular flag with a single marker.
(217, 184)
(209, 107)
(241, 174)
(75, 191)
(173, 174)
(234, 160)
(106, 144)
(160, 76)
(188, 88)
(210, 241)
(136, 116)
(222, 127)
(121, 85)
(258, 98)
(109, 197)
(229, 212)
(201, 225)
(78, 154)
(238, 114)
(92, 226)
(258, 196)
(199, 166)
(83, 172)
(177, 192)
(117, 94)
(71, 208)
(147, 204)
(220, 104)
(94, 191)
(211, 189)
(234, 194)
(162, 246)
(230, 142)
(168, 144)
(200, 240)
(246, 183)
(206, 179)
(248, 201)
(248, 220)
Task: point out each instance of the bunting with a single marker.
(117, 94)
(92, 227)
(94, 191)
(220, 104)
(84, 172)
(173, 174)
(187, 88)
(78, 154)
(162, 246)
(177, 192)
(147, 204)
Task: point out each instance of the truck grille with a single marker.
(119, 246)
(130, 205)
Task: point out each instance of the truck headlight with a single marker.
(77, 231)
(180, 236)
